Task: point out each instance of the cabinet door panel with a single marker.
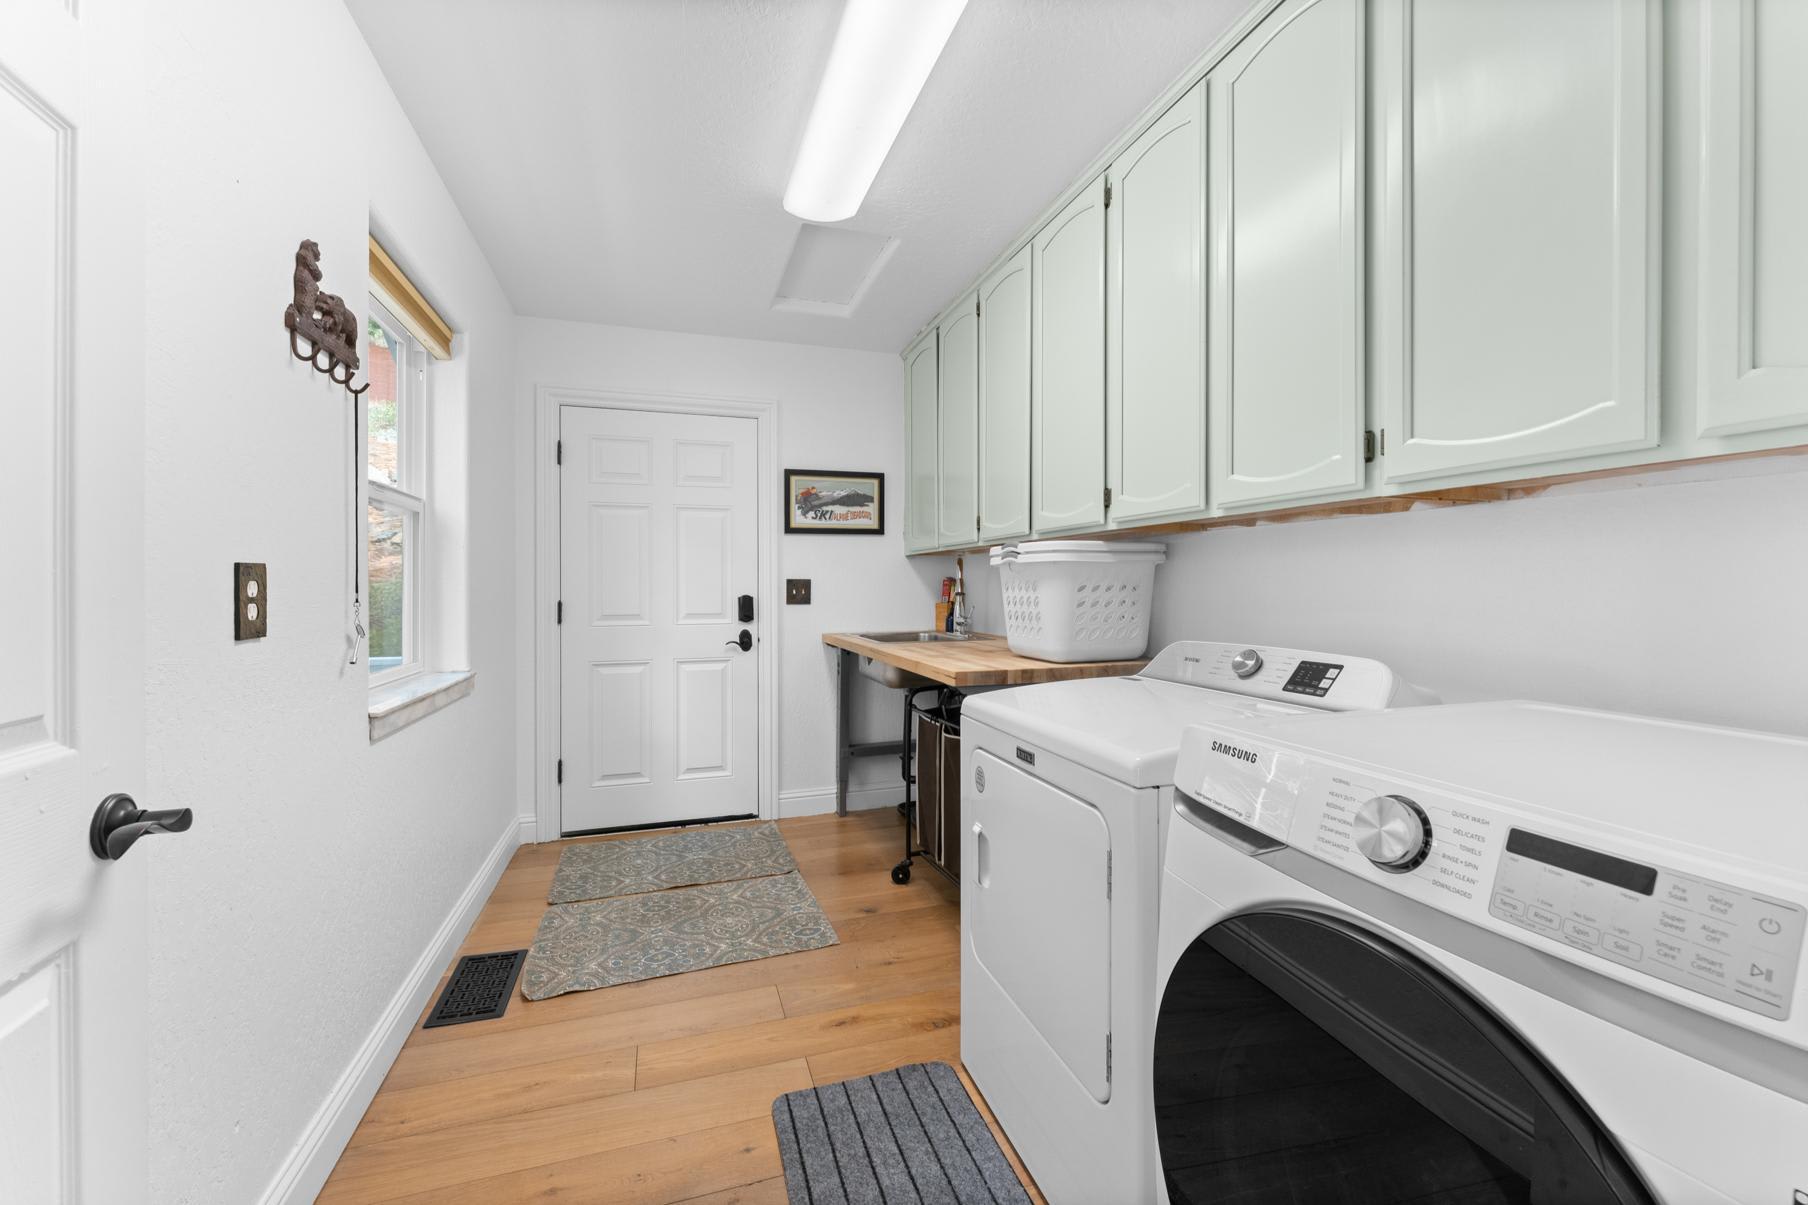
(1067, 469)
(1518, 270)
(1753, 316)
(1155, 321)
(1004, 401)
(1286, 313)
(957, 427)
(920, 420)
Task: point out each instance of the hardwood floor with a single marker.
(661, 1091)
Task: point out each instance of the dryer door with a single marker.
(1299, 1057)
(1039, 915)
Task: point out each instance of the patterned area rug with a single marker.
(714, 854)
(898, 1138)
(601, 943)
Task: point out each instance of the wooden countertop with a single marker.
(985, 660)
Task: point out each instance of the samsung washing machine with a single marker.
(1067, 786)
(1483, 953)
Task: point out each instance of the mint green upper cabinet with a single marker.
(1155, 319)
(1067, 383)
(1004, 401)
(1517, 263)
(1286, 276)
(957, 506)
(1753, 253)
(921, 446)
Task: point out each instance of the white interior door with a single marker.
(658, 540)
(72, 929)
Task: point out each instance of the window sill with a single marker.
(395, 705)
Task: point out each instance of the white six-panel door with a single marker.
(1518, 265)
(1753, 257)
(1067, 385)
(72, 929)
(1155, 318)
(1004, 401)
(1286, 314)
(658, 540)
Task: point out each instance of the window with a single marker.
(396, 515)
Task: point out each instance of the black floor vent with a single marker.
(479, 989)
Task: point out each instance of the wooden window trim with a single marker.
(411, 308)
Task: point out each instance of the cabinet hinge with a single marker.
(558, 452)
(561, 771)
(1107, 497)
(1108, 192)
(977, 525)
(1382, 450)
(559, 615)
(1368, 446)
(1107, 1058)
(1107, 874)
(976, 307)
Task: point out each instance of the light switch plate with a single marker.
(797, 591)
(250, 601)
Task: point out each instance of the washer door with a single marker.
(1299, 1057)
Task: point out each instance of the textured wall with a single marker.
(837, 410)
(320, 866)
(1676, 594)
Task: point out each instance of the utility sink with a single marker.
(891, 675)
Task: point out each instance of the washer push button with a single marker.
(1581, 932)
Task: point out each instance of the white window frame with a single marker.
(409, 495)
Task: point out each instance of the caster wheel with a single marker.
(900, 874)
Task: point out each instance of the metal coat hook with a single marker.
(324, 321)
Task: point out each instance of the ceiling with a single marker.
(623, 161)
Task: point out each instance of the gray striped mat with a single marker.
(907, 1137)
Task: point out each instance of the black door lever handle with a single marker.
(119, 822)
(743, 642)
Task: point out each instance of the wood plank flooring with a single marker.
(661, 1091)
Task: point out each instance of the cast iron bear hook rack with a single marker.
(324, 320)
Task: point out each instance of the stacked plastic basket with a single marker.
(1077, 600)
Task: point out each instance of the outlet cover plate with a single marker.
(250, 601)
(797, 591)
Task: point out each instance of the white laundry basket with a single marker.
(1077, 600)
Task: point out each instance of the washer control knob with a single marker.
(1393, 832)
(1246, 663)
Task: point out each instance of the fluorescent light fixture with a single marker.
(884, 51)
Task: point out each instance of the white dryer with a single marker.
(1491, 952)
(1066, 788)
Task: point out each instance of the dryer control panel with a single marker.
(1529, 875)
(1709, 937)
(1330, 681)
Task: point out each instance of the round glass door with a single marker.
(1301, 1058)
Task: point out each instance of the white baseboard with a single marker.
(304, 1173)
(530, 829)
(816, 802)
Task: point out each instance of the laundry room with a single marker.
(872, 602)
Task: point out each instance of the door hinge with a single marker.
(559, 615)
(1107, 192)
(558, 452)
(1107, 497)
(1107, 1058)
(1368, 446)
(561, 771)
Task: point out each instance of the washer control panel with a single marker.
(1538, 880)
(1706, 936)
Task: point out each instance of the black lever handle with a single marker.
(119, 822)
(743, 642)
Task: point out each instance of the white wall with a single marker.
(1676, 594)
(837, 410)
(320, 866)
